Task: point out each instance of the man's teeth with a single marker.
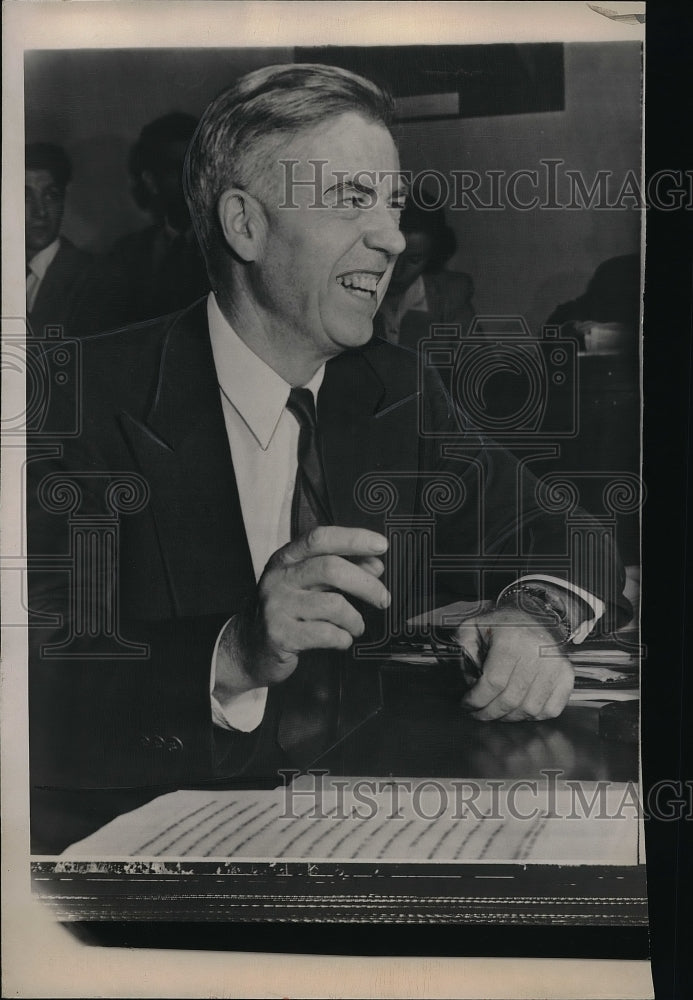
(359, 282)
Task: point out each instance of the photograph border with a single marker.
(629, 893)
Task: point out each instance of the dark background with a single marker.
(667, 605)
(522, 262)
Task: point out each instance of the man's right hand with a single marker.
(302, 603)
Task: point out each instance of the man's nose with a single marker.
(383, 232)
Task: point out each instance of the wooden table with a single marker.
(422, 732)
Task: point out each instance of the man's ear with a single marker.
(242, 222)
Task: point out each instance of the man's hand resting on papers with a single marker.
(525, 675)
(302, 603)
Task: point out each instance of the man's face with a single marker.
(323, 271)
(43, 206)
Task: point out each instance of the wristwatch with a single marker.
(562, 613)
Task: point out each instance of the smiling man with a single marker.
(251, 425)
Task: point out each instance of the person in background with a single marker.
(56, 270)
(421, 292)
(610, 303)
(605, 320)
(159, 269)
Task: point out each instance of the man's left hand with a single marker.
(525, 675)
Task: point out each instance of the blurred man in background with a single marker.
(159, 269)
(56, 271)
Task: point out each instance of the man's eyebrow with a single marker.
(399, 193)
(349, 182)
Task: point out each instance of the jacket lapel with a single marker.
(182, 449)
(52, 304)
(368, 423)
(363, 426)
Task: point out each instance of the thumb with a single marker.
(473, 642)
(468, 637)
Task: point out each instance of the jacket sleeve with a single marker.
(117, 699)
(511, 523)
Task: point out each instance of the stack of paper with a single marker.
(383, 819)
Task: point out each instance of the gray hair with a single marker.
(239, 132)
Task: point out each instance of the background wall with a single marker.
(95, 102)
(526, 262)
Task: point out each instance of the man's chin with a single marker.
(38, 243)
(356, 335)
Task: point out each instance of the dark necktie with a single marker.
(310, 704)
(328, 695)
(31, 280)
(310, 505)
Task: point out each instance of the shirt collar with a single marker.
(41, 261)
(255, 390)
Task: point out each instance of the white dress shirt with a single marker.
(596, 605)
(263, 437)
(38, 265)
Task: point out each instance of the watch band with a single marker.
(583, 608)
(536, 600)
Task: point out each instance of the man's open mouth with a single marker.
(361, 283)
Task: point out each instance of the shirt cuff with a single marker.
(242, 711)
(595, 603)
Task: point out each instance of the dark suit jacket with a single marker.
(152, 408)
(60, 296)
